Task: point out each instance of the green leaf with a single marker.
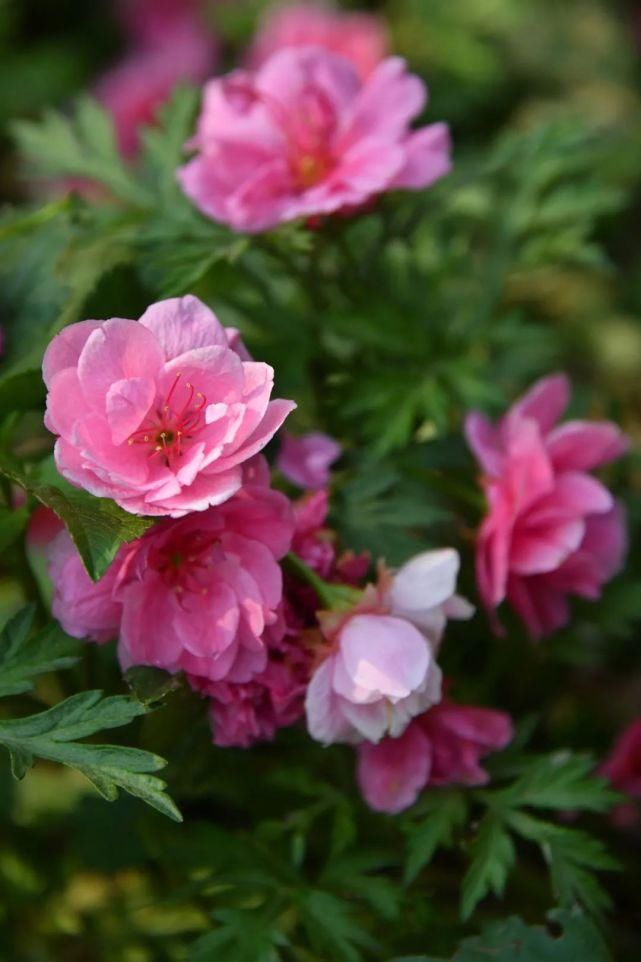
(240, 936)
(22, 658)
(562, 780)
(151, 685)
(493, 856)
(81, 146)
(97, 526)
(572, 856)
(513, 941)
(52, 735)
(331, 928)
(443, 814)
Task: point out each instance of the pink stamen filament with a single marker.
(170, 428)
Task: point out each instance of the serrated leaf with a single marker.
(23, 658)
(52, 735)
(562, 780)
(239, 936)
(446, 812)
(513, 941)
(83, 145)
(493, 856)
(97, 526)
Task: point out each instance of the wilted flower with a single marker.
(442, 747)
(359, 37)
(159, 414)
(552, 530)
(304, 136)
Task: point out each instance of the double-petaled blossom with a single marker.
(360, 38)
(195, 594)
(242, 713)
(306, 460)
(622, 768)
(158, 414)
(378, 669)
(305, 137)
(552, 530)
(442, 747)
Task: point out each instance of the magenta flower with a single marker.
(159, 414)
(360, 38)
(304, 136)
(622, 768)
(199, 593)
(132, 90)
(442, 747)
(306, 460)
(194, 595)
(552, 530)
(247, 712)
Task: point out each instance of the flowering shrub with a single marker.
(284, 432)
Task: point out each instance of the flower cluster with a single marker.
(236, 587)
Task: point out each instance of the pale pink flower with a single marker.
(622, 768)
(304, 137)
(158, 414)
(132, 90)
(423, 591)
(199, 593)
(442, 747)
(359, 37)
(306, 460)
(552, 530)
(380, 674)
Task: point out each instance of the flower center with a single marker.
(167, 429)
(308, 130)
(186, 564)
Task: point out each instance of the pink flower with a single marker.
(304, 136)
(442, 747)
(199, 593)
(622, 768)
(84, 608)
(552, 530)
(159, 414)
(379, 675)
(134, 89)
(306, 460)
(360, 38)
